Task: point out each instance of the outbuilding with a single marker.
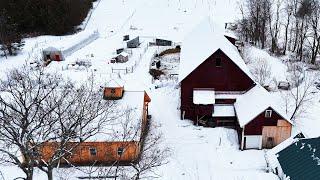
(52, 54)
(163, 42)
(122, 57)
(114, 90)
(133, 43)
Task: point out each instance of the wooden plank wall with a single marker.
(278, 133)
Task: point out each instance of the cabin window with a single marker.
(268, 113)
(120, 151)
(93, 151)
(113, 90)
(218, 62)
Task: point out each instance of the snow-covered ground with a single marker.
(197, 152)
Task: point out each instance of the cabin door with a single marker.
(57, 57)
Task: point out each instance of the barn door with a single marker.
(274, 135)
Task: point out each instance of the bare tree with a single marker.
(315, 30)
(25, 115)
(288, 14)
(301, 93)
(153, 155)
(261, 71)
(37, 107)
(80, 115)
(274, 24)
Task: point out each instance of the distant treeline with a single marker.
(21, 18)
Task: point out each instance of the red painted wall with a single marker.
(232, 40)
(228, 77)
(255, 126)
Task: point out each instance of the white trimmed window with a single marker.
(268, 113)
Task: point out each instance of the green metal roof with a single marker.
(301, 160)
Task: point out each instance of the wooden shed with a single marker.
(113, 91)
(122, 57)
(163, 42)
(133, 43)
(52, 54)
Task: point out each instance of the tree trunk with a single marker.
(29, 174)
(286, 36)
(9, 47)
(50, 173)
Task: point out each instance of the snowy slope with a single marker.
(198, 153)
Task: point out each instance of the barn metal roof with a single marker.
(301, 160)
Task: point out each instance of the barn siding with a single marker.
(232, 40)
(255, 126)
(228, 77)
(106, 152)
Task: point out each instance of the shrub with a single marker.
(155, 73)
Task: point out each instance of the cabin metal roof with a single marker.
(301, 160)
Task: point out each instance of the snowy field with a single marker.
(197, 153)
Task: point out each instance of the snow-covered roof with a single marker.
(230, 34)
(201, 43)
(127, 125)
(223, 110)
(125, 54)
(115, 83)
(203, 96)
(51, 49)
(254, 102)
(228, 94)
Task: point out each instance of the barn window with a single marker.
(218, 62)
(120, 151)
(93, 151)
(268, 113)
(113, 90)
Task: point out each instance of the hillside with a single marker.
(196, 152)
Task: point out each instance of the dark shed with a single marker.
(163, 42)
(133, 43)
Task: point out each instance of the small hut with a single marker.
(52, 54)
(126, 37)
(122, 57)
(133, 43)
(163, 42)
(120, 50)
(114, 90)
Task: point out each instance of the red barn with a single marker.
(213, 76)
